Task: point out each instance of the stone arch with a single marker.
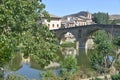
(67, 36)
(89, 38)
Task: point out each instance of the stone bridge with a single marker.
(82, 33)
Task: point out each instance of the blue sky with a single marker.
(65, 7)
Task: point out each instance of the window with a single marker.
(52, 25)
(48, 25)
(57, 25)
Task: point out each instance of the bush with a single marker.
(49, 75)
(15, 77)
(68, 44)
(95, 79)
(117, 65)
(115, 77)
(69, 62)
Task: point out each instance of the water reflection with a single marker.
(32, 70)
(29, 72)
(15, 63)
(83, 59)
(80, 54)
(69, 51)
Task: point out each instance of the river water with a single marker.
(32, 70)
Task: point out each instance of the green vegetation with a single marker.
(117, 65)
(15, 63)
(20, 32)
(69, 63)
(99, 59)
(67, 69)
(68, 44)
(116, 42)
(115, 77)
(114, 21)
(5, 50)
(49, 75)
(101, 18)
(95, 79)
(15, 77)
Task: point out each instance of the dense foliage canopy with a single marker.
(100, 58)
(101, 18)
(21, 32)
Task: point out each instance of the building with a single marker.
(54, 23)
(79, 19)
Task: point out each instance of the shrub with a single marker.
(15, 77)
(115, 77)
(49, 75)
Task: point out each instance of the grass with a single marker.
(68, 44)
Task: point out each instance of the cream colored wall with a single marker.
(50, 24)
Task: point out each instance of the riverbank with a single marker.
(52, 65)
(100, 77)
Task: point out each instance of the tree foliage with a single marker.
(116, 42)
(69, 62)
(116, 21)
(5, 50)
(101, 18)
(103, 47)
(19, 25)
(115, 77)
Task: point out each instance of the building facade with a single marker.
(84, 18)
(54, 23)
(79, 20)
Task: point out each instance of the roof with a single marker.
(54, 16)
(114, 17)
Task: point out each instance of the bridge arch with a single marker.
(67, 37)
(89, 38)
(82, 33)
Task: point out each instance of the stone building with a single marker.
(79, 19)
(54, 23)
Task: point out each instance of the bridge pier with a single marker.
(82, 45)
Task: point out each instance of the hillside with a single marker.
(84, 13)
(114, 17)
(81, 13)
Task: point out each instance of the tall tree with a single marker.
(101, 18)
(19, 25)
(116, 61)
(100, 58)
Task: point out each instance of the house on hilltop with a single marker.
(79, 19)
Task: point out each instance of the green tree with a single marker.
(5, 50)
(68, 66)
(19, 24)
(69, 62)
(103, 47)
(101, 18)
(116, 63)
(115, 77)
(116, 41)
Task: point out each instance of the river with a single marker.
(32, 71)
